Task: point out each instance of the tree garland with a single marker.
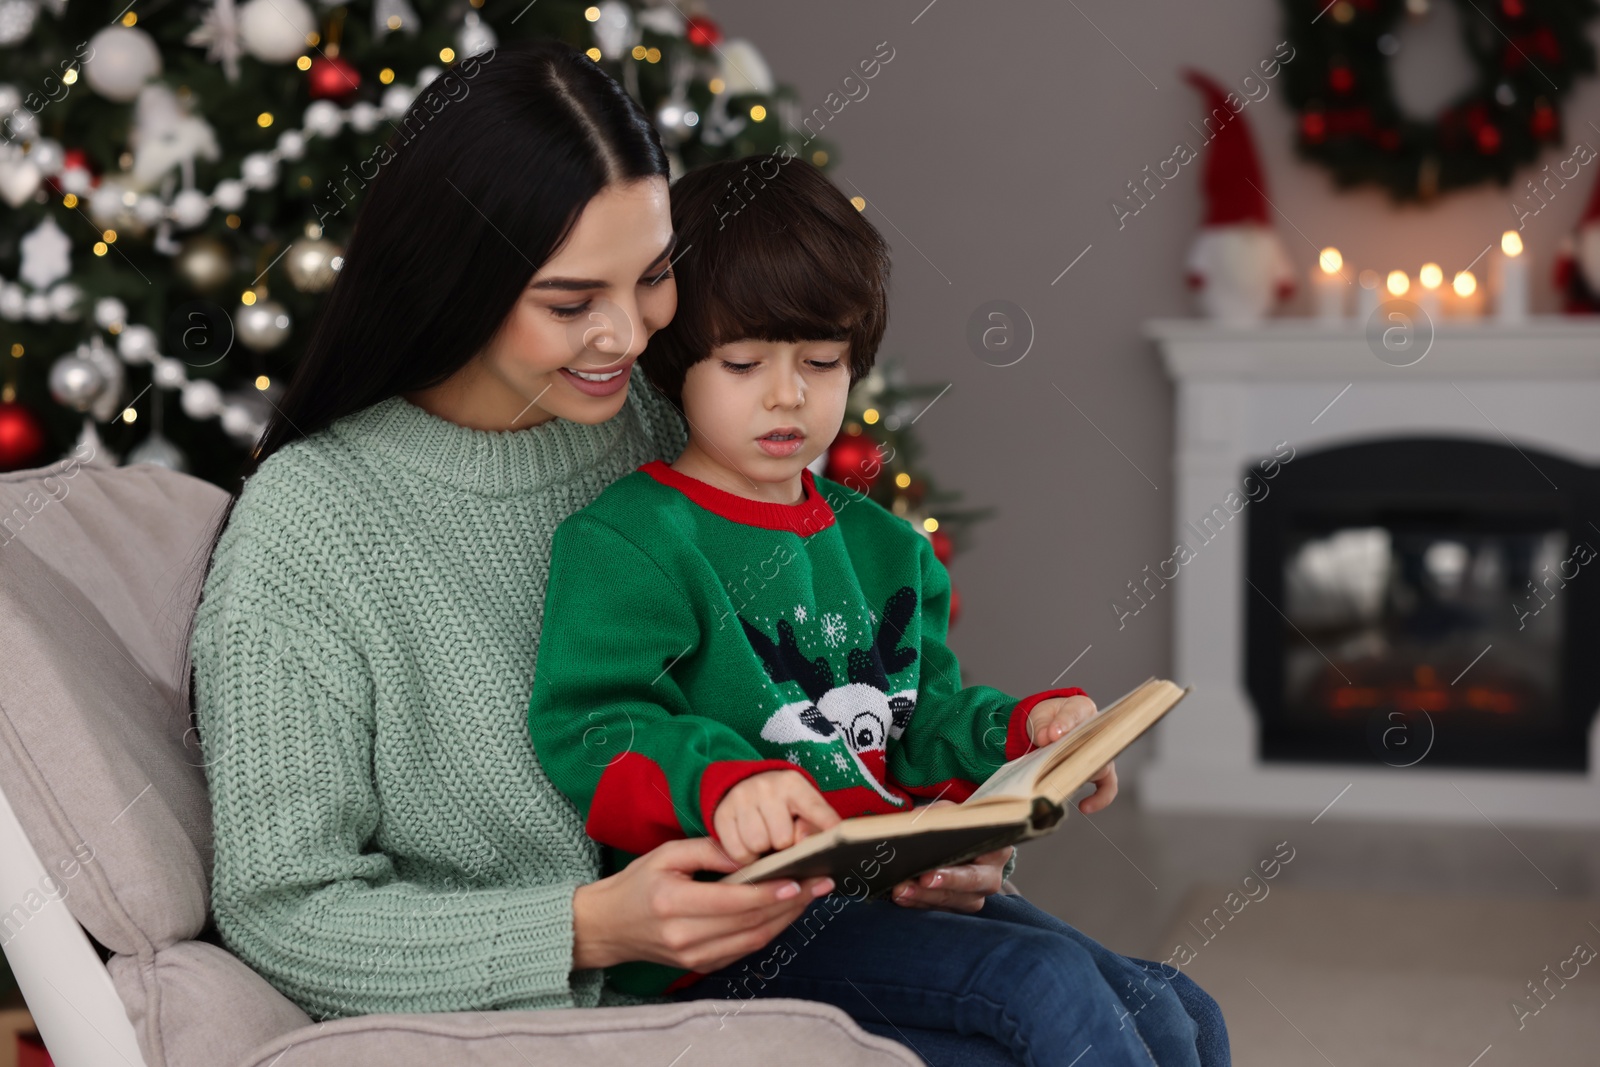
(1527, 54)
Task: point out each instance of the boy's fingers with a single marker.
(810, 805)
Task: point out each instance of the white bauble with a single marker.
(149, 210)
(16, 21)
(13, 302)
(201, 399)
(19, 180)
(22, 124)
(291, 145)
(323, 118)
(121, 59)
(76, 180)
(10, 98)
(75, 382)
(262, 326)
(229, 194)
(237, 420)
(397, 100)
(137, 344)
(47, 155)
(364, 116)
(275, 31)
(38, 307)
(168, 373)
(426, 75)
(106, 208)
(190, 208)
(65, 299)
(259, 170)
(110, 312)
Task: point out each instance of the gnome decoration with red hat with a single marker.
(1577, 263)
(1237, 265)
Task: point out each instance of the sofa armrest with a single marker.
(779, 1032)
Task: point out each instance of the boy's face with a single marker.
(767, 409)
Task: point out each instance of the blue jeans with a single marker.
(957, 989)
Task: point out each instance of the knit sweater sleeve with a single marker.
(301, 893)
(957, 736)
(611, 727)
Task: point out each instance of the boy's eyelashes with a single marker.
(818, 364)
(577, 309)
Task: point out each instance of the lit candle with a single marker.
(1511, 298)
(1368, 298)
(1466, 290)
(1431, 276)
(1398, 283)
(1328, 286)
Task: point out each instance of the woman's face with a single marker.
(567, 346)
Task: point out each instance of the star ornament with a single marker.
(218, 32)
(46, 255)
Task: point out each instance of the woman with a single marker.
(365, 642)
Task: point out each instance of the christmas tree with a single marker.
(180, 184)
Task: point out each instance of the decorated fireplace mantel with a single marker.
(1245, 394)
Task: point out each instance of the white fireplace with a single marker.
(1243, 393)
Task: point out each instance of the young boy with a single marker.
(734, 647)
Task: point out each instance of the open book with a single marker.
(1022, 800)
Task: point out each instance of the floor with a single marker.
(1361, 961)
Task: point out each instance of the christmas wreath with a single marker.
(1527, 53)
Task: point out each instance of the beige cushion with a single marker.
(102, 570)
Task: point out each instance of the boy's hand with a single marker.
(1051, 720)
(767, 811)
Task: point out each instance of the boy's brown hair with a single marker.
(770, 250)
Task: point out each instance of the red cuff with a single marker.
(1017, 741)
(723, 775)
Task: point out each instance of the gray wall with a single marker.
(988, 149)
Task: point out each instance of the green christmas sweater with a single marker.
(693, 638)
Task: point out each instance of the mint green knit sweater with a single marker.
(364, 651)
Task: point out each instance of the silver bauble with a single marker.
(205, 262)
(75, 382)
(137, 344)
(157, 451)
(109, 312)
(261, 326)
(310, 264)
(275, 31)
(112, 374)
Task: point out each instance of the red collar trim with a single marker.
(811, 515)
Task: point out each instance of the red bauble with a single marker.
(1543, 124)
(1341, 79)
(333, 79)
(22, 438)
(854, 462)
(943, 547)
(702, 32)
(955, 604)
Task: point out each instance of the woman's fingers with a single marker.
(1105, 791)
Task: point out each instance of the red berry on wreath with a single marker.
(1313, 127)
(854, 462)
(1341, 79)
(1388, 140)
(1488, 139)
(702, 32)
(1543, 123)
(1512, 8)
(333, 78)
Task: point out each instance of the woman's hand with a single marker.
(960, 887)
(654, 910)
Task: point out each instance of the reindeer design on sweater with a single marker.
(862, 711)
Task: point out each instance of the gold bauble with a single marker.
(310, 264)
(205, 262)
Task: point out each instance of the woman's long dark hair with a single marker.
(481, 182)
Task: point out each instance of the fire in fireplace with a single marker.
(1426, 601)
